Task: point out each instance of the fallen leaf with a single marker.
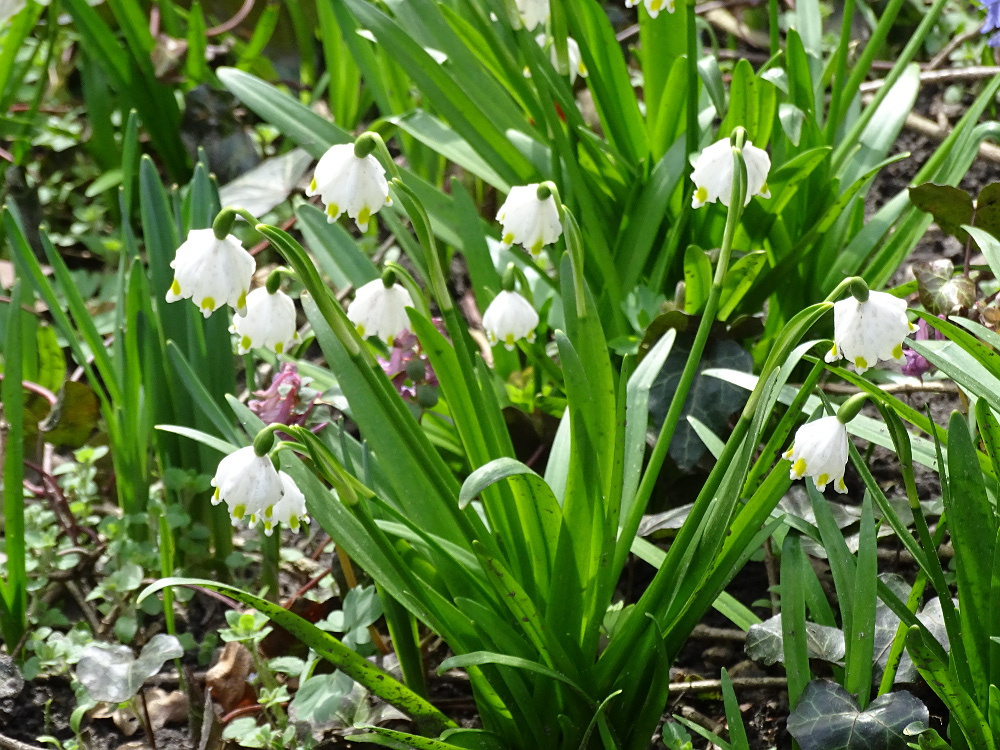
(227, 680)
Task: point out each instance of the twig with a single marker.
(147, 723)
(88, 612)
(931, 129)
(934, 386)
(739, 683)
(704, 632)
(9, 743)
(971, 73)
(951, 46)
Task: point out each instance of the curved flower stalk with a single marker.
(713, 173)
(212, 269)
(349, 178)
(530, 218)
(653, 6)
(869, 327)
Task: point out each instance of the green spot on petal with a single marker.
(508, 239)
(239, 511)
(242, 301)
(175, 288)
(332, 210)
(363, 216)
(208, 304)
(701, 194)
(897, 351)
(246, 343)
(861, 363)
(312, 185)
(278, 348)
(361, 330)
(823, 479)
(799, 467)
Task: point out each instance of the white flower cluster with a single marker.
(214, 272)
(254, 490)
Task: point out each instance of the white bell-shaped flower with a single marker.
(866, 332)
(508, 318)
(528, 221)
(713, 173)
(212, 272)
(246, 483)
(819, 450)
(573, 57)
(269, 322)
(290, 510)
(653, 6)
(533, 12)
(380, 311)
(345, 182)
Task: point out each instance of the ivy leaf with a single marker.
(712, 401)
(827, 717)
(112, 673)
(940, 291)
(988, 209)
(950, 207)
(764, 642)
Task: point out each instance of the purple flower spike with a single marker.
(992, 22)
(916, 365)
(282, 402)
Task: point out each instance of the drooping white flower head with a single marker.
(533, 12)
(713, 173)
(573, 57)
(866, 332)
(378, 310)
(211, 272)
(246, 483)
(653, 6)
(508, 318)
(290, 510)
(819, 450)
(528, 221)
(269, 322)
(346, 183)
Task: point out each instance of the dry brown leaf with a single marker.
(227, 679)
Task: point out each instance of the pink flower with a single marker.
(282, 402)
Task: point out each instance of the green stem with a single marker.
(840, 71)
(690, 370)
(775, 31)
